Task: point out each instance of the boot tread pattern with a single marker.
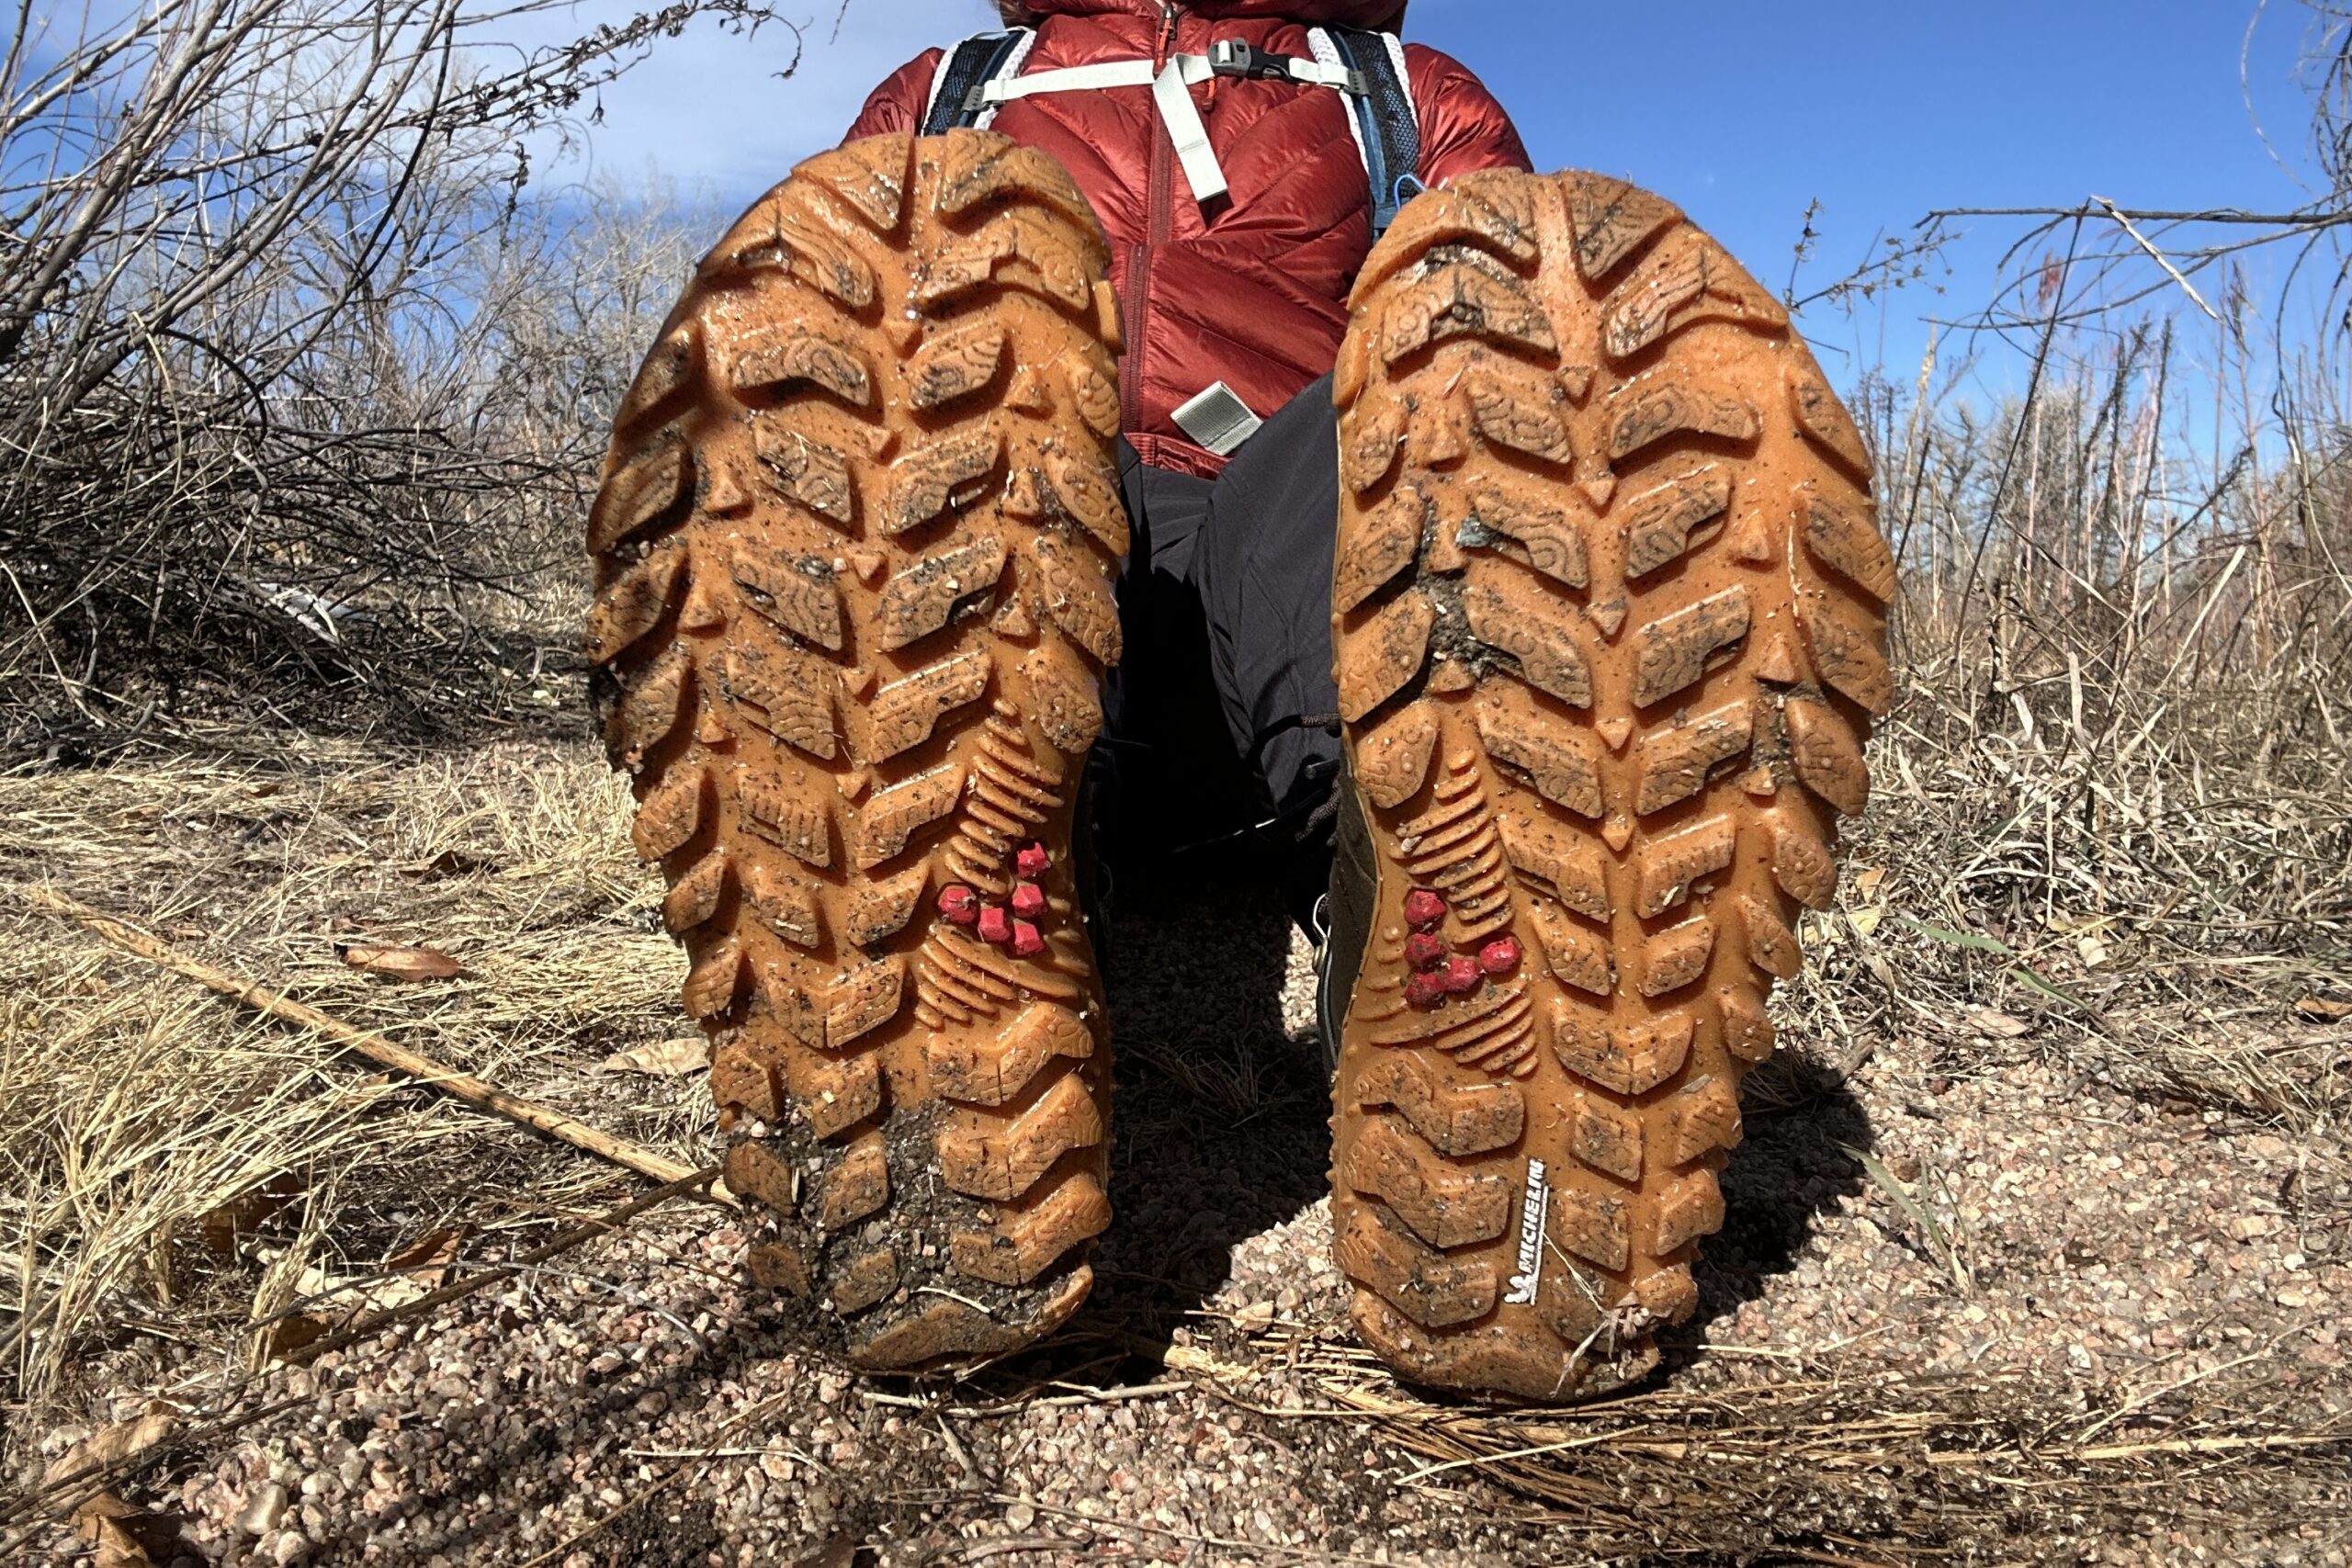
(855, 550)
(1609, 620)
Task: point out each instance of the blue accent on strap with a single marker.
(1392, 139)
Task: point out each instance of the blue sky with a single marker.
(1745, 111)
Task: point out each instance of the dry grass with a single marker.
(147, 1105)
(302, 375)
(1889, 1470)
(2114, 799)
(140, 1105)
(2167, 922)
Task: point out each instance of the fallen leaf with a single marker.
(125, 1537)
(248, 1212)
(448, 862)
(400, 962)
(666, 1058)
(327, 1295)
(2319, 1009)
(425, 1262)
(111, 1444)
(1186, 1358)
(1999, 1025)
(1867, 880)
(336, 1301)
(293, 1331)
(117, 1547)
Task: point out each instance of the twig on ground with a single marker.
(980, 1551)
(1807, 1554)
(375, 1047)
(668, 1478)
(1287, 1553)
(562, 1242)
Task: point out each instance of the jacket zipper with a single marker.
(1135, 307)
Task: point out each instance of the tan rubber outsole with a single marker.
(1609, 618)
(855, 547)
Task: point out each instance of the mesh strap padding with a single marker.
(1387, 128)
(956, 87)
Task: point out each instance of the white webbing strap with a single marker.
(1171, 92)
(1079, 79)
(1183, 118)
(1012, 64)
(1327, 57)
(1324, 73)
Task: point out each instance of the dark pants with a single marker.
(1222, 715)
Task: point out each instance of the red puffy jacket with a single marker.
(1254, 292)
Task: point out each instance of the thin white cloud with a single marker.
(706, 108)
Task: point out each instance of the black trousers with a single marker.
(1222, 723)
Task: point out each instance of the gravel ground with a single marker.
(2118, 1340)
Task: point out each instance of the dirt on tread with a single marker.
(855, 546)
(1609, 623)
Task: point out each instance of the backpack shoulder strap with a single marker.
(1386, 126)
(956, 87)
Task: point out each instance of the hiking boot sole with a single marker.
(1609, 618)
(855, 548)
